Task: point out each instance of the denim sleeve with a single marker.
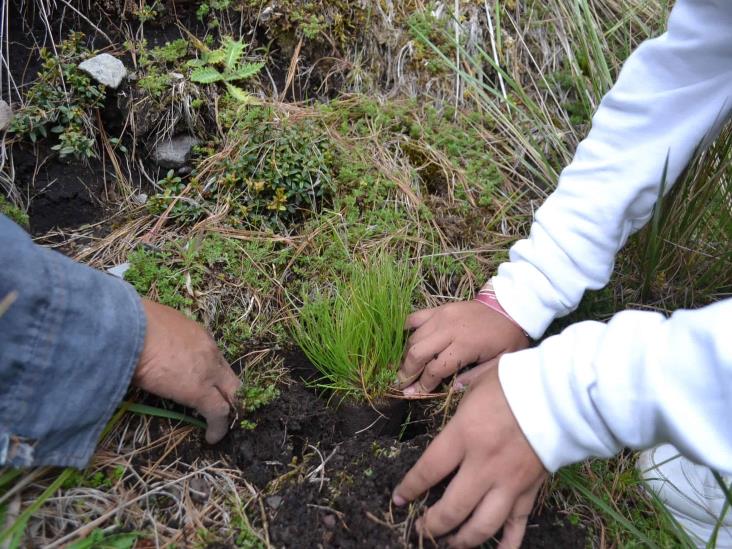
(69, 343)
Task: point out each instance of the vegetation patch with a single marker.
(62, 101)
(334, 138)
(355, 335)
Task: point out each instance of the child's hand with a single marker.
(498, 474)
(450, 337)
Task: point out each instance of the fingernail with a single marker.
(398, 500)
(411, 390)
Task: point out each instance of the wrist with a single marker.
(487, 296)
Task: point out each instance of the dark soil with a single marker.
(346, 502)
(64, 195)
(61, 193)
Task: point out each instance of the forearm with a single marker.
(69, 344)
(638, 381)
(673, 93)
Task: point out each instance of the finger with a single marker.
(515, 526)
(417, 318)
(466, 378)
(418, 355)
(214, 407)
(426, 330)
(487, 519)
(443, 365)
(462, 495)
(227, 381)
(439, 459)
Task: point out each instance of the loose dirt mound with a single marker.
(327, 488)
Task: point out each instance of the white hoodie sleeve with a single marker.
(637, 381)
(641, 379)
(672, 93)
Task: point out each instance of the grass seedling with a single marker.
(355, 335)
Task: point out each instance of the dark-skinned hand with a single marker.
(498, 473)
(180, 361)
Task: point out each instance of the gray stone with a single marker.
(6, 115)
(199, 490)
(105, 69)
(175, 152)
(329, 521)
(119, 270)
(274, 501)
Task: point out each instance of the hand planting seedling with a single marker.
(354, 335)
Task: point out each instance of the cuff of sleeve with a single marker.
(78, 335)
(109, 323)
(550, 403)
(524, 307)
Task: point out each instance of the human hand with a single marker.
(450, 337)
(180, 361)
(498, 478)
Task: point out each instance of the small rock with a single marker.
(274, 501)
(175, 152)
(199, 490)
(119, 270)
(140, 199)
(105, 69)
(329, 521)
(6, 115)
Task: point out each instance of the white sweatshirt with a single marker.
(641, 379)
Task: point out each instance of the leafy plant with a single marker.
(61, 102)
(354, 335)
(145, 13)
(225, 64)
(277, 168)
(185, 208)
(252, 398)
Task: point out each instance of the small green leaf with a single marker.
(98, 540)
(233, 49)
(238, 93)
(206, 75)
(244, 71)
(144, 409)
(215, 57)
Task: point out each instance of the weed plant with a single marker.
(61, 102)
(272, 169)
(354, 335)
(225, 65)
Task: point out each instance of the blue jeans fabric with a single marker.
(69, 344)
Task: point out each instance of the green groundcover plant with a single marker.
(354, 335)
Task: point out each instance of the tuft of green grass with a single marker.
(632, 517)
(684, 254)
(354, 335)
